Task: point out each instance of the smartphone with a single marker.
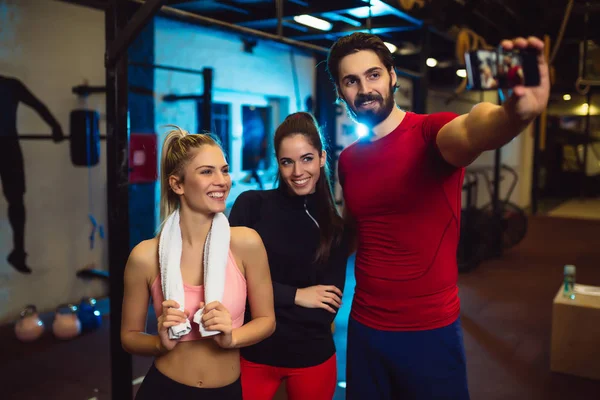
(501, 69)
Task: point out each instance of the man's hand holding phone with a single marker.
(529, 101)
(519, 65)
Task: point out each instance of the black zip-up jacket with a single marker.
(288, 228)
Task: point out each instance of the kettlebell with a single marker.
(88, 315)
(29, 327)
(66, 324)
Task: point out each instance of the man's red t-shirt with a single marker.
(406, 201)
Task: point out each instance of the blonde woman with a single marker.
(195, 180)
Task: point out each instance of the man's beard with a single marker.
(371, 117)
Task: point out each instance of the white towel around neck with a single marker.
(216, 254)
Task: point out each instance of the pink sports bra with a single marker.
(234, 298)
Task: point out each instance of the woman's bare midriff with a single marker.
(200, 363)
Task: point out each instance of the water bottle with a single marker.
(569, 282)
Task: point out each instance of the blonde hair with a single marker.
(177, 150)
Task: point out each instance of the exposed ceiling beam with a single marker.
(128, 34)
(96, 4)
(395, 9)
(299, 2)
(181, 15)
(582, 8)
(503, 6)
(376, 30)
(295, 26)
(175, 2)
(209, 6)
(268, 12)
(330, 16)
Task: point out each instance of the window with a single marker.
(255, 134)
(220, 124)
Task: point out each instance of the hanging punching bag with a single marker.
(85, 137)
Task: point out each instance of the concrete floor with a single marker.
(587, 208)
(506, 314)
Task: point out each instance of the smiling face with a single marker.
(367, 87)
(205, 181)
(300, 164)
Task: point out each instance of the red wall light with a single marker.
(142, 158)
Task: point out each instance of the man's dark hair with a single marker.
(352, 44)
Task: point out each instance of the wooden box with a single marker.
(575, 343)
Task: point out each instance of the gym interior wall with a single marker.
(60, 197)
(265, 83)
(41, 59)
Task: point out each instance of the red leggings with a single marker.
(260, 382)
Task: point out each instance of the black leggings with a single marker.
(157, 386)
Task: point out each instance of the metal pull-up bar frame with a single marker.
(130, 31)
